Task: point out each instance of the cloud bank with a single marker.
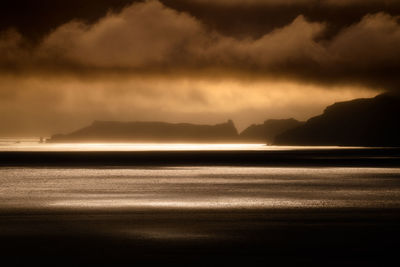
(152, 38)
(150, 61)
(299, 2)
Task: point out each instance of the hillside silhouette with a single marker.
(110, 131)
(360, 122)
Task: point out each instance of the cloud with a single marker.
(256, 2)
(12, 49)
(294, 42)
(368, 51)
(298, 2)
(151, 38)
(41, 105)
(359, 2)
(142, 35)
(372, 43)
(151, 62)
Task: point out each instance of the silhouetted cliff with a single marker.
(261, 133)
(108, 131)
(360, 122)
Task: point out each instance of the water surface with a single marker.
(199, 188)
(33, 144)
(308, 212)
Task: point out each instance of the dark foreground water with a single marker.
(200, 215)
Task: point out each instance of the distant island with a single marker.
(360, 122)
(111, 131)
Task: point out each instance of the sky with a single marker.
(65, 63)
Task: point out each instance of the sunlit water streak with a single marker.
(12, 144)
(198, 188)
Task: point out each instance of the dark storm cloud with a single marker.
(157, 38)
(241, 18)
(66, 63)
(238, 18)
(35, 18)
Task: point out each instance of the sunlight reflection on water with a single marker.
(199, 188)
(32, 145)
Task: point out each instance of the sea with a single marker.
(216, 214)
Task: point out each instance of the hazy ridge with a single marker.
(359, 122)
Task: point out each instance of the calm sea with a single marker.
(192, 214)
(199, 188)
